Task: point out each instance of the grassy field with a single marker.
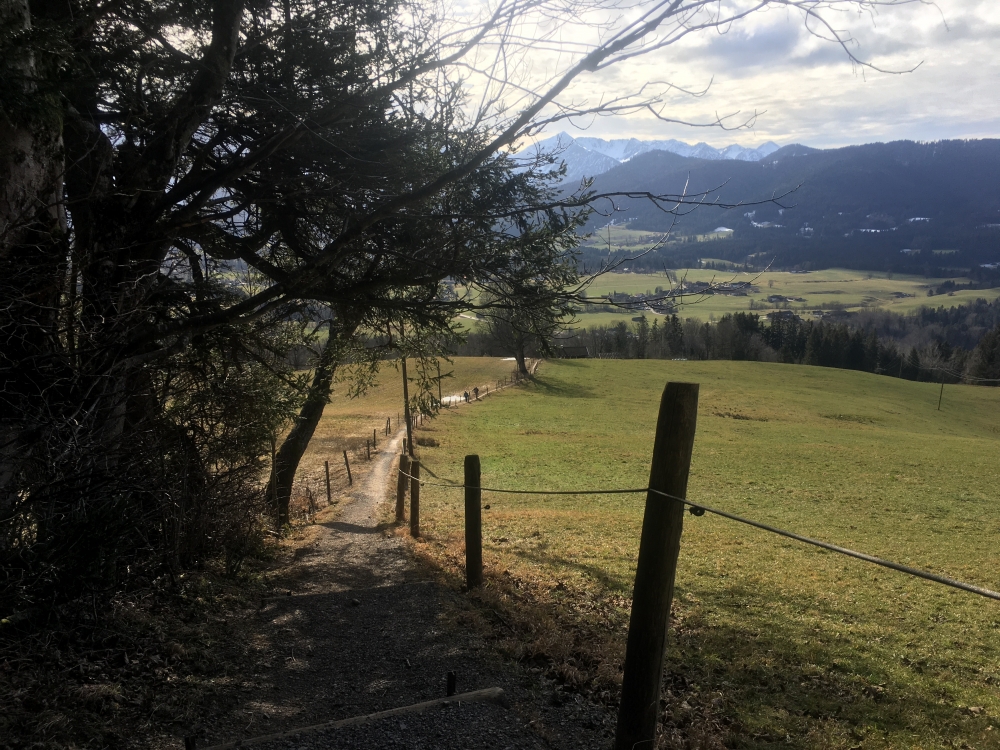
(852, 289)
(774, 644)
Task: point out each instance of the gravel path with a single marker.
(362, 631)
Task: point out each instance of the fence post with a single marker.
(473, 524)
(415, 497)
(654, 576)
(404, 469)
(350, 480)
(374, 441)
(368, 449)
(329, 495)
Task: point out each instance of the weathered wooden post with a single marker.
(654, 576)
(414, 497)
(329, 495)
(374, 441)
(404, 469)
(473, 524)
(350, 480)
(368, 449)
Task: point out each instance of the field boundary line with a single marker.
(698, 509)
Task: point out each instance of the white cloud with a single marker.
(809, 89)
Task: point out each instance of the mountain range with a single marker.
(589, 157)
(944, 187)
(880, 205)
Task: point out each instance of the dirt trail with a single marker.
(356, 627)
(354, 550)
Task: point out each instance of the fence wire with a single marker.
(699, 509)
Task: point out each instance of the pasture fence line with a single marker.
(659, 549)
(355, 453)
(699, 509)
(408, 469)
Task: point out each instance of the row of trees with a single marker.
(744, 336)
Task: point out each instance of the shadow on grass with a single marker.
(614, 584)
(772, 667)
(564, 390)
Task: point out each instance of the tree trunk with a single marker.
(522, 364)
(32, 248)
(31, 157)
(286, 460)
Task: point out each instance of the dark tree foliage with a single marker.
(226, 167)
(984, 366)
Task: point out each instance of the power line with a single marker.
(699, 509)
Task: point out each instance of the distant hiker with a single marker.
(476, 391)
(466, 397)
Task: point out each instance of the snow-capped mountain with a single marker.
(589, 157)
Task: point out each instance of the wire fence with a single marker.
(961, 377)
(699, 509)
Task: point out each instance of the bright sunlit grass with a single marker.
(775, 644)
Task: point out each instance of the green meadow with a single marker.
(835, 287)
(851, 290)
(774, 643)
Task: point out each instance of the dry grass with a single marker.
(139, 670)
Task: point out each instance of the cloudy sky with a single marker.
(809, 92)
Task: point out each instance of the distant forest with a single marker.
(951, 345)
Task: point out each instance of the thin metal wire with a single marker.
(841, 550)
(696, 507)
(525, 492)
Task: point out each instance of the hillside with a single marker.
(882, 206)
(873, 187)
(773, 643)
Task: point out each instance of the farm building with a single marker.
(573, 352)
